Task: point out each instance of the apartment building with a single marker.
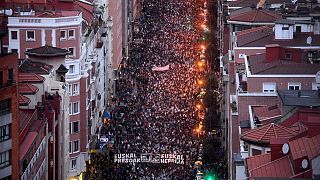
(9, 117)
(273, 50)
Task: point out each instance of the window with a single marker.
(256, 152)
(71, 49)
(63, 35)
(285, 28)
(70, 109)
(10, 74)
(5, 106)
(269, 87)
(74, 127)
(4, 159)
(294, 86)
(71, 34)
(75, 88)
(14, 35)
(288, 56)
(76, 146)
(73, 146)
(5, 132)
(298, 29)
(71, 69)
(14, 50)
(70, 89)
(73, 164)
(1, 79)
(75, 108)
(30, 36)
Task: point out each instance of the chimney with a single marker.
(273, 52)
(279, 148)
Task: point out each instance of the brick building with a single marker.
(9, 117)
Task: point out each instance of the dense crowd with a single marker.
(160, 114)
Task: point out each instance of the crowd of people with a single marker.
(160, 115)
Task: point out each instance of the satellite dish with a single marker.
(309, 40)
(304, 163)
(285, 148)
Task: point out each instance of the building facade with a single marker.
(9, 117)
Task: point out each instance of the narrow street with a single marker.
(165, 118)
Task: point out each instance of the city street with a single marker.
(157, 123)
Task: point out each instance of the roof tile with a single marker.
(26, 88)
(265, 133)
(305, 147)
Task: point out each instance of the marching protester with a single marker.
(159, 88)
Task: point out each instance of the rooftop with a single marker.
(25, 145)
(278, 168)
(305, 98)
(305, 147)
(299, 40)
(47, 51)
(266, 112)
(254, 34)
(30, 78)
(62, 69)
(25, 116)
(264, 133)
(26, 88)
(258, 65)
(257, 161)
(60, 8)
(256, 16)
(29, 66)
(253, 3)
(23, 100)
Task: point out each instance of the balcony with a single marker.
(234, 104)
(241, 82)
(72, 76)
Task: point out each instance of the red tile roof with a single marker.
(27, 142)
(305, 147)
(23, 101)
(47, 51)
(30, 77)
(299, 127)
(258, 65)
(265, 133)
(254, 34)
(256, 16)
(26, 88)
(25, 116)
(280, 168)
(257, 161)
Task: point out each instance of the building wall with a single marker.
(255, 84)
(6, 62)
(115, 10)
